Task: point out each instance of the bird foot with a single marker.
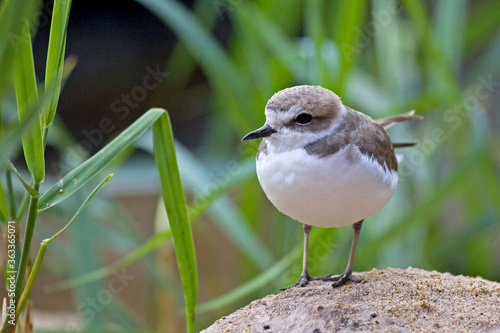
(342, 279)
(338, 280)
(301, 282)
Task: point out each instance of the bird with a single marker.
(325, 164)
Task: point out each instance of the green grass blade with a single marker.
(85, 202)
(137, 254)
(315, 29)
(175, 204)
(26, 96)
(350, 16)
(282, 47)
(46, 242)
(4, 207)
(224, 213)
(482, 25)
(55, 55)
(9, 166)
(88, 169)
(12, 23)
(200, 205)
(180, 64)
(194, 211)
(9, 142)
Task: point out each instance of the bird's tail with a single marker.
(403, 144)
(390, 121)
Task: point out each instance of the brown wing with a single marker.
(373, 140)
(359, 130)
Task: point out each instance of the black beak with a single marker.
(262, 132)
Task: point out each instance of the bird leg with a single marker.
(338, 280)
(347, 275)
(304, 276)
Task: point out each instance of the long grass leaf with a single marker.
(482, 24)
(175, 204)
(137, 254)
(225, 213)
(441, 69)
(282, 47)
(4, 207)
(82, 206)
(9, 166)
(55, 55)
(9, 142)
(148, 246)
(348, 31)
(46, 242)
(88, 169)
(13, 14)
(180, 64)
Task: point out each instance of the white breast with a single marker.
(332, 191)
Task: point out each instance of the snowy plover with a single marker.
(325, 164)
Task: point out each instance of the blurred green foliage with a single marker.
(382, 57)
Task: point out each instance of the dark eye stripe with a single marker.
(303, 118)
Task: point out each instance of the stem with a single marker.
(10, 190)
(28, 236)
(22, 206)
(45, 132)
(32, 277)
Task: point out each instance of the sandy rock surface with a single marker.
(391, 300)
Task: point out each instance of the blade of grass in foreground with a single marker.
(11, 25)
(55, 56)
(9, 166)
(10, 139)
(146, 247)
(27, 95)
(175, 204)
(77, 177)
(46, 242)
(4, 207)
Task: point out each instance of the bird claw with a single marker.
(301, 282)
(342, 279)
(338, 280)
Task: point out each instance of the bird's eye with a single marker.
(303, 118)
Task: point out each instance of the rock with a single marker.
(391, 300)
